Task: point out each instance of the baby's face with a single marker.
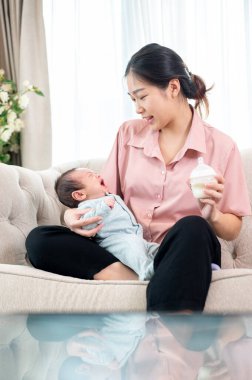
(93, 184)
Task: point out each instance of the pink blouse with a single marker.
(158, 194)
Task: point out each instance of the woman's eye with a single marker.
(143, 97)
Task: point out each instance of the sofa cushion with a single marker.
(40, 291)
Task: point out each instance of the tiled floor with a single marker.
(132, 346)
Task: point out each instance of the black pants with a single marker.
(182, 264)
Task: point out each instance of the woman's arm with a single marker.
(226, 225)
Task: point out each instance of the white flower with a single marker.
(6, 134)
(27, 84)
(4, 96)
(18, 125)
(6, 87)
(12, 105)
(11, 117)
(23, 101)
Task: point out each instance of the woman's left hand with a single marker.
(209, 205)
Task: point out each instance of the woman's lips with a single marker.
(148, 119)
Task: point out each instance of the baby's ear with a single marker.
(79, 195)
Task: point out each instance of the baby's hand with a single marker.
(110, 202)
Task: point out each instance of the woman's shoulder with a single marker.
(218, 137)
(133, 127)
(133, 132)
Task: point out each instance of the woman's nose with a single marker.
(139, 109)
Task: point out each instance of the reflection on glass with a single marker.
(125, 346)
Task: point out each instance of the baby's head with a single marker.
(77, 185)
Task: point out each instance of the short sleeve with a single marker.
(235, 196)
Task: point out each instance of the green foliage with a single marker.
(12, 105)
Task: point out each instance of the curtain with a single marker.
(10, 24)
(23, 57)
(36, 136)
(86, 75)
(88, 59)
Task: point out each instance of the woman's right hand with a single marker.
(75, 224)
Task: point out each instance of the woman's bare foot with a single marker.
(116, 271)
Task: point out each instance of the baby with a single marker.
(121, 235)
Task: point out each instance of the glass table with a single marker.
(127, 346)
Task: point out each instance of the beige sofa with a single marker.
(27, 199)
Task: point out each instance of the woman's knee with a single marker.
(32, 244)
(197, 233)
(39, 244)
(194, 225)
(194, 220)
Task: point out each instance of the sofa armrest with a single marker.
(28, 199)
(24, 203)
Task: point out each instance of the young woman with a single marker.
(149, 167)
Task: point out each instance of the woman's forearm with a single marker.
(226, 226)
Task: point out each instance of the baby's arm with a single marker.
(100, 208)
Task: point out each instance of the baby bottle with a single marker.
(201, 175)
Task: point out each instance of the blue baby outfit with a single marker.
(121, 235)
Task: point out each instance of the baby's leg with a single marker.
(116, 271)
(131, 250)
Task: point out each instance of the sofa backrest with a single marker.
(28, 199)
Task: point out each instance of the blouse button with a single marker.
(163, 172)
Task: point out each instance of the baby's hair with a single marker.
(64, 187)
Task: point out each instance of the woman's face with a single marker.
(155, 105)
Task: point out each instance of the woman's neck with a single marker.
(172, 138)
(181, 123)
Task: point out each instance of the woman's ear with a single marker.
(79, 195)
(174, 87)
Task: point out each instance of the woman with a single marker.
(149, 167)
